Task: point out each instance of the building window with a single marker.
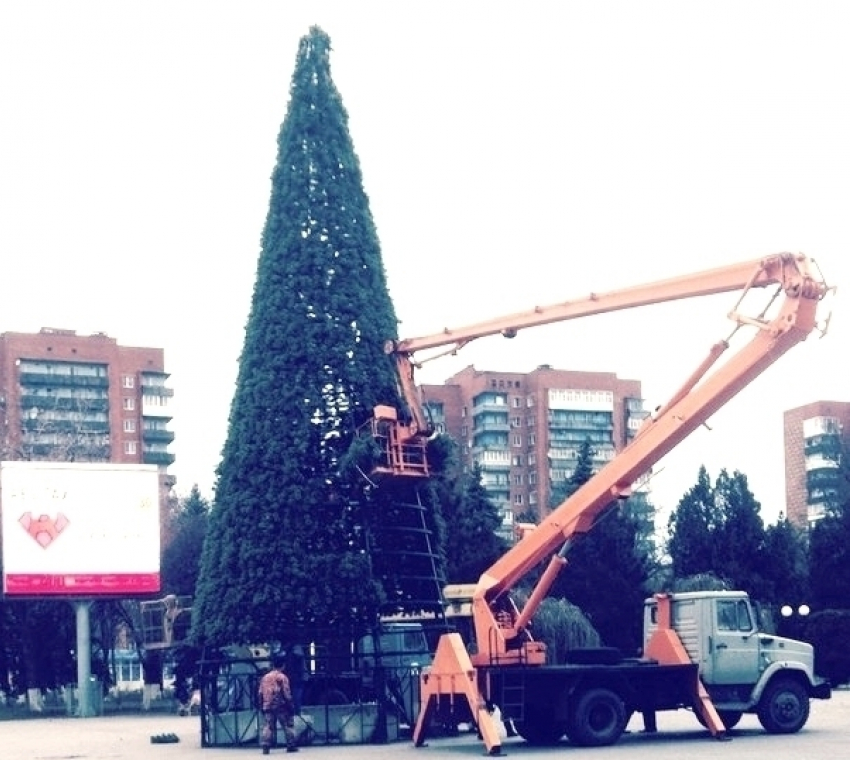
(517, 460)
(517, 440)
(532, 439)
(516, 422)
(517, 480)
(129, 426)
(517, 401)
(129, 447)
(518, 499)
(129, 404)
(128, 381)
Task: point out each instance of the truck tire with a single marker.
(540, 729)
(599, 719)
(784, 706)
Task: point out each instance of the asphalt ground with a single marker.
(128, 737)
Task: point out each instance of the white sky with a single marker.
(514, 154)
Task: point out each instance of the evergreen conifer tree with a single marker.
(740, 541)
(181, 555)
(718, 530)
(285, 548)
(785, 566)
(692, 527)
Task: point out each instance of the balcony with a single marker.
(71, 428)
(494, 467)
(580, 422)
(156, 390)
(815, 512)
(818, 463)
(574, 437)
(821, 496)
(156, 407)
(825, 475)
(634, 424)
(31, 401)
(489, 460)
(827, 446)
(67, 453)
(30, 378)
(157, 457)
(490, 438)
(491, 426)
(490, 405)
(491, 454)
(157, 436)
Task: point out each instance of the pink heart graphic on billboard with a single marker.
(44, 529)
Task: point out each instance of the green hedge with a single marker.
(829, 633)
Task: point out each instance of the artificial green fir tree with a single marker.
(287, 545)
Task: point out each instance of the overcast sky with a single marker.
(514, 154)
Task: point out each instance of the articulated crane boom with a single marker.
(404, 442)
(500, 628)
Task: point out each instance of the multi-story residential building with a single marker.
(814, 437)
(524, 430)
(69, 397)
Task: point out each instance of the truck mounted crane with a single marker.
(590, 703)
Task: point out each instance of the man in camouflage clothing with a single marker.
(275, 697)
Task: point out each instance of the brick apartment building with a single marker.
(69, 397)
(524, 430)
(813, 435)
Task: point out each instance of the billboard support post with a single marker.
(85, 707)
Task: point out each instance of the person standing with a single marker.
(296, 671)
(275, 697)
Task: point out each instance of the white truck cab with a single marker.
(743, 668)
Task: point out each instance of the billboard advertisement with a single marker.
(79, 529)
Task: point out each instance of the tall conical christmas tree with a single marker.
(285, 547)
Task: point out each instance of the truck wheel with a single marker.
(540, 730)
(784, 707)
(599, 719)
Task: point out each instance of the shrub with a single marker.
(829, 631)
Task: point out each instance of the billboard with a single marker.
(79, 529)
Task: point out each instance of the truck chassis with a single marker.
(590, 704)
